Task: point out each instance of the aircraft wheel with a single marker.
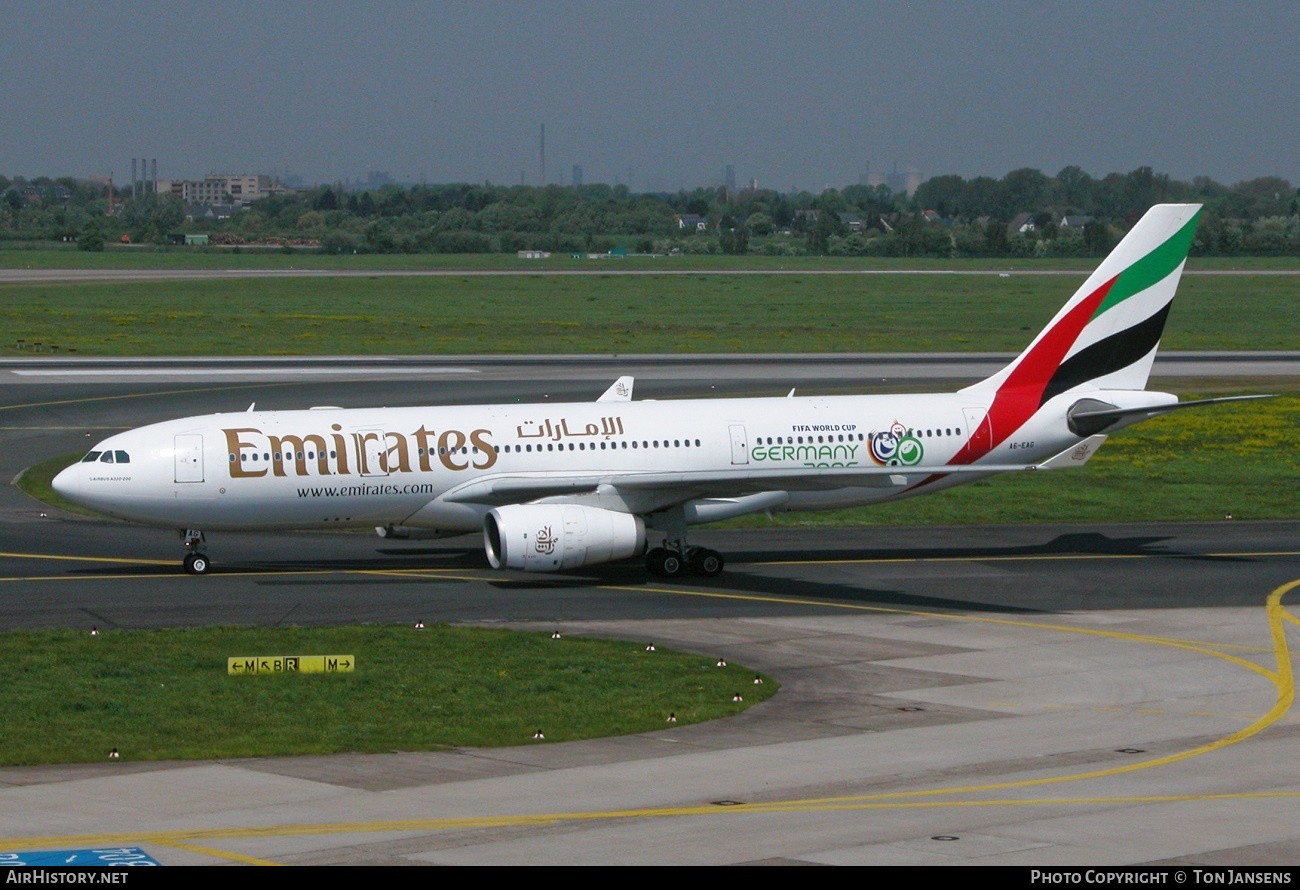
(196, 563)
(706, 562)
(664, 562)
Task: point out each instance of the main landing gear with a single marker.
(676, 556)
(195, 563)
(671, 562)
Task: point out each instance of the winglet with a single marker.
(619, 391)
(1074, 456)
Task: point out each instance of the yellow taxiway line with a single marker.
(1281, 676)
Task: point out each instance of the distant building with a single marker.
(197, 239)
(221, 188)
(692, 221)
(210, 212)
(1023, 224)
(35, 194)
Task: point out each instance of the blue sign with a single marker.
(111, 857)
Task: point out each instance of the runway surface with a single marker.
(603, 269)
(1006, 695)
(659, 376)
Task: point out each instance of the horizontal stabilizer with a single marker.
(1094, 420)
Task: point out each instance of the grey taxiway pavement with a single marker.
(1007, 695)
(45, 276)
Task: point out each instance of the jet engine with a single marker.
(555, 537)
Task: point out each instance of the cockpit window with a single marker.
(106, 457)
(122, 457)
(90, 458)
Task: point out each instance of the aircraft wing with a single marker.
(682, 486)
(677, 487)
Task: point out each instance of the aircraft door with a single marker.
(374, 453)
(739, 444)
(189, 458)
(980, 429)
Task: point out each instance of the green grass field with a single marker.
(161, 695)
(53, 255)
(608, 314)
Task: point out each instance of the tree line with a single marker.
(1025, 213)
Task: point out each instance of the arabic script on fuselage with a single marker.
(551, 429)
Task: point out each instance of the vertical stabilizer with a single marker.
(1106, 335)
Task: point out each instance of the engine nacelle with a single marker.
(555, 537)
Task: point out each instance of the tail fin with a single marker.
(1106, 336)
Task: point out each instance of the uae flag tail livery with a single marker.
(1103, 340)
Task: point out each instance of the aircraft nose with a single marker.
(68, 483)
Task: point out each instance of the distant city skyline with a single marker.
(655, 95)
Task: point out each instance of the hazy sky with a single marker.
(803, 94)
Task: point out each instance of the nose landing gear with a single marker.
(195, 562)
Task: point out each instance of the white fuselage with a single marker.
(335, 467)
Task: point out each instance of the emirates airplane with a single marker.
(554, 487)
